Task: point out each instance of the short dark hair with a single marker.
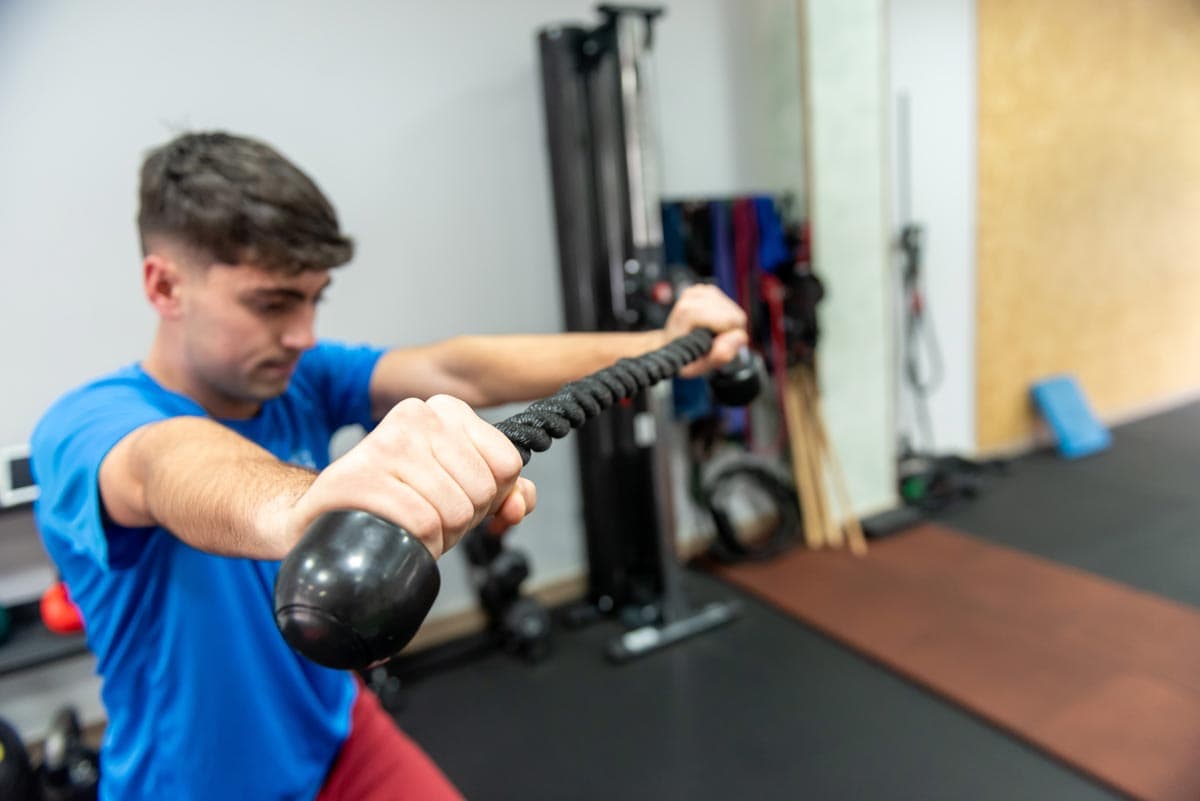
(237, 200)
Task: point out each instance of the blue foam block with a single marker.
(1062, 403)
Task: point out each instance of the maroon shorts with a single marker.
(379, 763)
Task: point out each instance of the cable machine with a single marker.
(598, 91)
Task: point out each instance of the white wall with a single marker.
(741, 131)
(846, 81)
(932, 61)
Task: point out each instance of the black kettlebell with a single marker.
(737, 383)
(18, 779)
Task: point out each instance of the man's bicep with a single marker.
(122, 481)
(179, 451)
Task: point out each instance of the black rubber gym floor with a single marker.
(767, 709)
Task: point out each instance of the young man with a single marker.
(172, 487)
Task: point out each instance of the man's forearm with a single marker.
(491, 370)
(215, 490)
(504, 369)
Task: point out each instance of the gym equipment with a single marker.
(891, 521)
(918, 327)
(520, 624)
(18, 779)
(1076, 429)
(58, 611)
(927, 481)
(70, 770)
(816, 466)
(356, 588)
(932, 483)
(749, 478)
(609, 245)
(598, 96)
(738, 384)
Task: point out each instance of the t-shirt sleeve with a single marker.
(67, 448)
(340, 375)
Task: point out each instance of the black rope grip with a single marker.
(579, 401)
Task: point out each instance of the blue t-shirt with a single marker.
(205, 699)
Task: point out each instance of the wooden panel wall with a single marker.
(1089, 204)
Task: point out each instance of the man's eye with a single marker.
(270, 308)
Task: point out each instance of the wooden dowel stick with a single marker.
(793, 416)
(854, 531)
(832, 532)
(810, 459)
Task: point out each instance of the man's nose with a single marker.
(300, 333)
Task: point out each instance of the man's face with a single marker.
(244, 328)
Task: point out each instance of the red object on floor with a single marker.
(1099, 674)
(59, 612)
(378, 762)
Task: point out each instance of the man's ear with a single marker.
(162, 281)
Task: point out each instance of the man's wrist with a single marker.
(658, 338)
(280, 522)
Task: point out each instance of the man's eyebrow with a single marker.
(274, 292)
(281, 292)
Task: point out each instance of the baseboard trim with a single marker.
(1141, 411)
(1041, 438)
(454, 625)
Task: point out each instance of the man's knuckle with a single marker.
(459, 514)
(508, 463)
(424, 523)
(448, 403)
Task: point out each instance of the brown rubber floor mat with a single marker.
(1096, 673)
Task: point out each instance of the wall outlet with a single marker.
(16, 477)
